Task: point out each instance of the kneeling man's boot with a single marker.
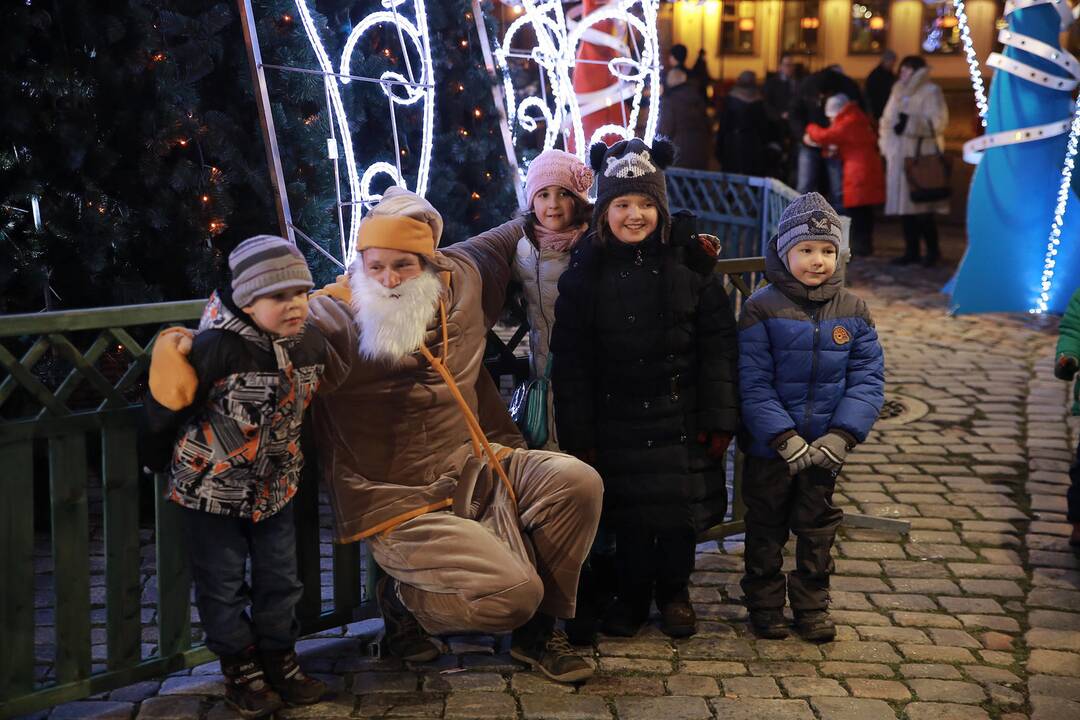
(543, 647)
(405, 638)
(246, 689)
(815, 625)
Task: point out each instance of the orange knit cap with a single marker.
(396, 232)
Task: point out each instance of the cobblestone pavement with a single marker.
(975, 614)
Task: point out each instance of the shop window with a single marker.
(801, 27)
(737, 26)
(941, 28)
(869, 28)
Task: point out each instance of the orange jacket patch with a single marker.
(840, 335)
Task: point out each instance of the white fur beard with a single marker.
(393, 322)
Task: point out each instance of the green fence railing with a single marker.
(68, 432)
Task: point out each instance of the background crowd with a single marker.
(818, 132)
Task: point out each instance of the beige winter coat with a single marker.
(392, 440)
(539, 271)
(928, 115)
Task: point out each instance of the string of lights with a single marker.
(558, 38)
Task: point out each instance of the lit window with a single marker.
(941, 29)
(869, 31)
(801, 24)
(737, 25)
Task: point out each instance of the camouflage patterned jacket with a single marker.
(236, 449)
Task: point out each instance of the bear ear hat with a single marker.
(663, 153)
(596, 156)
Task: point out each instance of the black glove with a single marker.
(901, 123)
(1066, 367)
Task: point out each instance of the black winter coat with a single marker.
(645, 357)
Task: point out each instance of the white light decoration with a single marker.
(1063, 60)
(974, 149)
(400, 89)
(558, 36)
(972, 61)
(1041, 305)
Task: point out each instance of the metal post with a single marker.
(266, 119)
(500, 104)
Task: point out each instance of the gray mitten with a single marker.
(795, 452)
(830, 450)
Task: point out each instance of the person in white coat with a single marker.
(915, 113)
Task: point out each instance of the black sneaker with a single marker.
(285, 676)
(769, 623)
(815, 625)
(246, 689)
(405, 639)
(905, 260)
(551, 654)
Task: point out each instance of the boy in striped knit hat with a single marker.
(811, 380)
(235, 465)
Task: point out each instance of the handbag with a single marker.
(928, 175)
(529, 408)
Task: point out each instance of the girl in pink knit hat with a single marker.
(557, 217)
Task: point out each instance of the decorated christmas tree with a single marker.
(134, 160)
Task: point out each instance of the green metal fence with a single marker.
(68, 431)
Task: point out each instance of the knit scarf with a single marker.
(558, 241)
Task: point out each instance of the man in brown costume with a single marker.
(475, 532)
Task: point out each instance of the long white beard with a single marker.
(393, 322)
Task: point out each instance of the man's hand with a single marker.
(1066, 367)
(795, 452)
(172, 380)
(829, 451)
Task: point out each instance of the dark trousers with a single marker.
(653, 564)
(862, 230)
(776, 504)
(1073, 493)
(920, 227)
(219, 547)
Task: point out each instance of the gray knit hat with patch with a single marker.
(808, 217)
(266, 264)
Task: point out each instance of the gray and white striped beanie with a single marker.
(266, 264)
(808, 217)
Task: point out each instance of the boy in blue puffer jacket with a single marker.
(811, 373)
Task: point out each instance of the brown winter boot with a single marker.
(285, 676)
(246, 689)
(405, 638)
(815, 625)
(1074, 539)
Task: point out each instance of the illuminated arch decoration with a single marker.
(1020, 190)
(557, 37)
(402, 86)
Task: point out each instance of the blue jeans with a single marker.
(813, 170)
(219, 547)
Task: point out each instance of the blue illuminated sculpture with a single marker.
(1023, 222)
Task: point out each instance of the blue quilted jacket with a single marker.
(809, 362)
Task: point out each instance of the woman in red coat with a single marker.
(851, 133)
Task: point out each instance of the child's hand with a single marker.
(709, 243)
(829, 451)
(795, 452)
(716, 443)
(1066, 367)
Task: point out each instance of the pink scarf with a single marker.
(558, 241)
